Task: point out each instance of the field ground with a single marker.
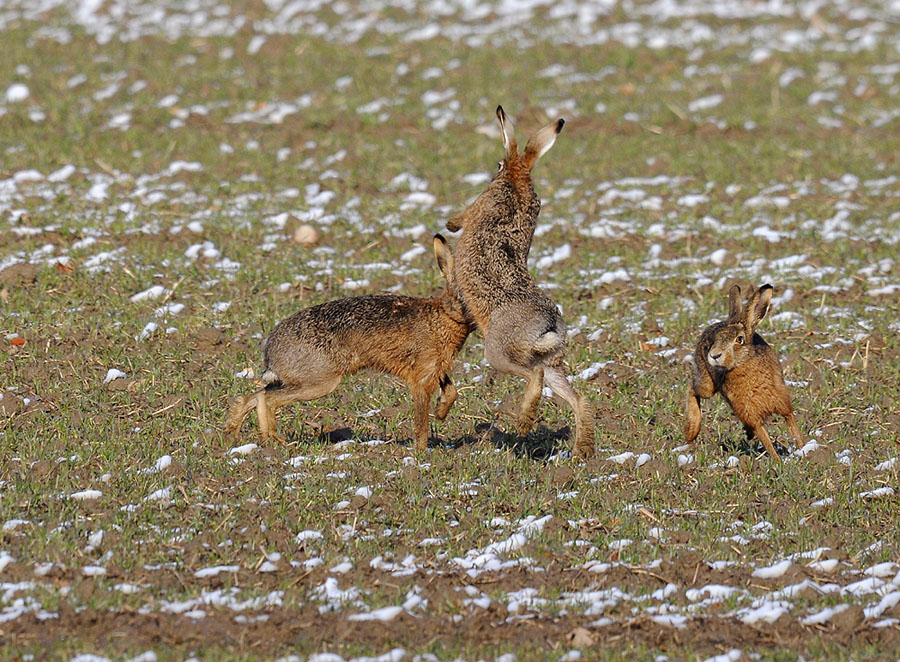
(155, 162)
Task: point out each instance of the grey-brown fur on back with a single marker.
(308, 354)
(524, 333)
(358, 332)
(492, 253)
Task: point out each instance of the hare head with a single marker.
(732, 343)
(515, 169)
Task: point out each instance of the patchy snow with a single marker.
(93, 571)
(163, 494)
(13, 524)
(148, 330)
(384, 615)
(112, 374)
(86, 495)
(16, 93)
(705, 103)
(766, 613)
(303, 536)
(773, 571)
(154, 292)
(5, 559)
(878, 493)
(216, 570)
(826, 566)
(824, 615)
(621, 458)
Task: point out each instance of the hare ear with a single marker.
(509, 135)
(541, 142)
(758, 306)
(444, 256)
(734, 303)
(455, 222)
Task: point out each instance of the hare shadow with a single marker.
(749, 445)
(539, 444)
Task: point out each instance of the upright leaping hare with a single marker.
(309, 353)
(524, 333)
(734, 360)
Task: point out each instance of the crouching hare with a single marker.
(732, 359)
(308, 354)
(524, 333)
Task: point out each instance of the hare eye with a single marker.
(499, 166)
(740, 340)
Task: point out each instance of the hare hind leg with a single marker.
(530, 401)
(497, 355)
(265, 418)
(271, 399)
(240, 407)
(783, 408)
(763, 436)
(584, 415)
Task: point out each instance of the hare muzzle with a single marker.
(717, 360)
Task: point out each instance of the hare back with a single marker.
(506, 238)
(395, 334)
(502, 203)
(353, 314)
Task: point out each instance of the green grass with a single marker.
(77, 324)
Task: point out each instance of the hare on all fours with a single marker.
(308, 354)
(524, 333)
(733, 360)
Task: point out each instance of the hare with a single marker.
(733, 360)
(308, 354)
(524, 333)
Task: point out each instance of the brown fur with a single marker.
(733, 360)
(308, 354)
(524, 333)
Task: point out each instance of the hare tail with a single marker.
(547, 343)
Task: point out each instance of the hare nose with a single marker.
(715, 357)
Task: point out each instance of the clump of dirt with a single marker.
(654, 469)
(19, 274)
(562, 477)
(209, 339)
(846, 621)
(10, 404)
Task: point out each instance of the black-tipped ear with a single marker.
(509, 136)
(734, 303)
(444, 256)
(541, 142)
(758, 306)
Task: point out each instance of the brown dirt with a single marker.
(293, 627)
(21, 273)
